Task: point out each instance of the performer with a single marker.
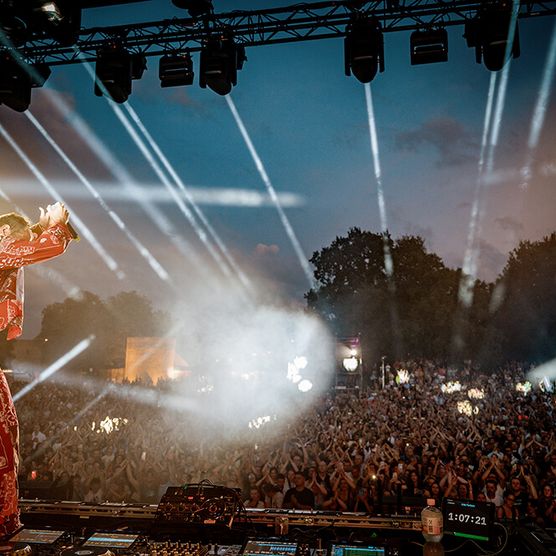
(20, 244)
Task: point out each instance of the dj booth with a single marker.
(207, 523)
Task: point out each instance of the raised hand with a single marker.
(57, 213)
(44, 218)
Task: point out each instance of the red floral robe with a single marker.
(15, 254)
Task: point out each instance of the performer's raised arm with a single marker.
(19, 243)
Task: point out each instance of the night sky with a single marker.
(309, 125)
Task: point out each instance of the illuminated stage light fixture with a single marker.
(429, 46)
(221, 57)
(115, 69)
(51, 12)
(176, 70)
(17, 80)
(364, 49)
(350, 364)
(195, 8)
(59, 19)
(488, 34)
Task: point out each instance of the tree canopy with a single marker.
(527, 312)
(110, 321)
(415, 311)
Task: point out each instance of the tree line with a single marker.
(110, 321)
(405, 302)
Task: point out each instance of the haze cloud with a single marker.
(263, 249)
(447, 136)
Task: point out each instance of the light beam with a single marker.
(158, 171)
(470, 258)
(187, 194)
(143, 251)
(388, 262)
(127, 181)
(56, 366)
(272, 192)
(539, 114)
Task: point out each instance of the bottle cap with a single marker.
(431, 502)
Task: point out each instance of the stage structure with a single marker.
(29, 52)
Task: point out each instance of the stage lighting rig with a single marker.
(489, 32)
(176, 70)
(220, 59)
(115, 69)
(364, 48)
(16, 81)
(195, 8)
(429, 46)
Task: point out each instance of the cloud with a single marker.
(263, 249)
(509, 224)
(449, 137)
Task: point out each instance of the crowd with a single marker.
(431, 432)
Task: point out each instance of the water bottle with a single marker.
(432, 522)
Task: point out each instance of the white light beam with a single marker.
(388, 262)
(470, 258)
(537, 122)
(272, 192)
(187, 194)
(201, 234)
(127, 181)
(143, 251)
(56, 366)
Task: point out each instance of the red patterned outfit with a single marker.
(14, 255)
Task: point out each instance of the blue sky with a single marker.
(308, 123)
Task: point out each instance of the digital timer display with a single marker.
(468, 519)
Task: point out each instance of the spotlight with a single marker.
(17, 80)
(429, 46)
(196, 8)
(66, 30)
(175, 70)
(350, 364)
(364, 49)
(305, 385)
(221, 57)
(115, 69)
(60, 20)
(51, 11)
(489, 32)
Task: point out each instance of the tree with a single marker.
(527, 315)
(65, 324)
(410, 313)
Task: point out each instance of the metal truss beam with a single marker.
(302, 22)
